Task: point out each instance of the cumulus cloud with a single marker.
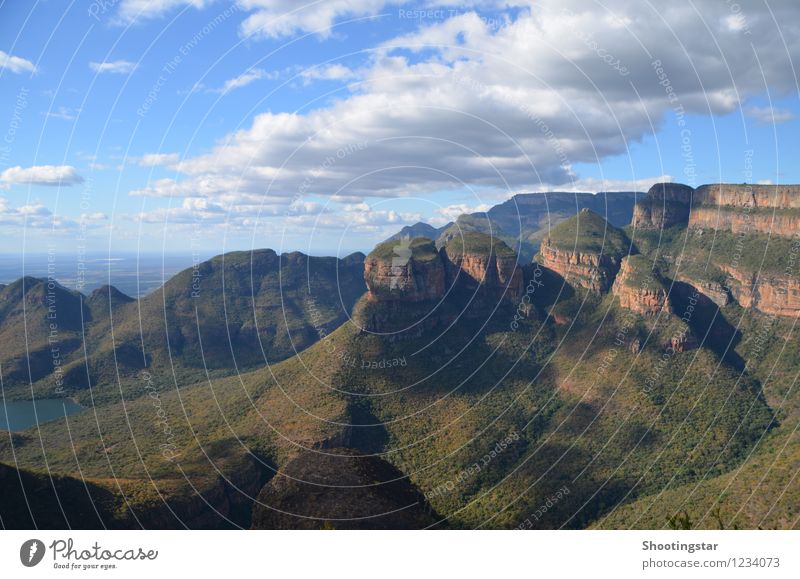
(157, 159)
(444, 215)
(244, 79)
(15, 63)
(510, 108)
(132, 10)
(769, 115)
(115, 67)
(37, 216)
(50, 175)
(328, 72)
(592, 185)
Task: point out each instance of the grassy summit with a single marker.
(418, 248)
(477, 243)
(588, 232)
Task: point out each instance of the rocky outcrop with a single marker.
(747, 219)
(665, 205)
(493, 270)
(771, 294)
(409, 270)
(758, 196)
(414, 271)
(592, 271)
(713, 290)
(638, 288)
(769, 209)
(682, 342)
(585, 250)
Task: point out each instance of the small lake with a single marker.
(21, 414)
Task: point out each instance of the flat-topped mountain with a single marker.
(415, 270)
(745, 209)
(648, 365)
(522, 221)
(585, 249)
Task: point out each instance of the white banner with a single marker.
(407, 554)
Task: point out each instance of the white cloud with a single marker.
(158, 159)
(282, 18)
(328, 72)
(63, 113)
(769, 115)
(132, 10)
(115, 67)
(244, 79)
(15, 63)
(444, 215)
(51, 175)
(511, 109)
(592, 185)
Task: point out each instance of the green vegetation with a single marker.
(477, 243)
(419, 249)
(588, 232)
(232, 313)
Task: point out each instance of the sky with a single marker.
(208, 126)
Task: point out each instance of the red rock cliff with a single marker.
(638, 289)
(592, 271)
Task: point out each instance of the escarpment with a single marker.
(413, 286)
(483, 262)
(665, 205)
(749, 232)
(409, 270)
(585, 250)
(639, 288)
(771, 294)
(767, 209)
(413, 270)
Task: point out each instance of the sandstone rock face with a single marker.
(770, 294)
(682, 342)
(405, 270)
(592, 271)
(745, 208)
(665, 205)
(745, 220)
(760, 196)
(498, 275)
(713, 290)
(646, 297)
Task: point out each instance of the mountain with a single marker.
(585, 250)
(419, 229)
(232, 313)
(627, 378)
(522, 221)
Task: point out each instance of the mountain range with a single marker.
(561, 360)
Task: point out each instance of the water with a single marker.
(21, 414)
(132, 274)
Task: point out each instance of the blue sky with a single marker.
(172, 125)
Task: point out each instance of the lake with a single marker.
(21, 413)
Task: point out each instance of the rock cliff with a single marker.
(585, 250)
(409, 270)
(480, 261)
(768, 209)
(771, 294)
(638, 288)
(665, 205)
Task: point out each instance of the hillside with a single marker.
(232, 313)
(621, 380)
(525, 219)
